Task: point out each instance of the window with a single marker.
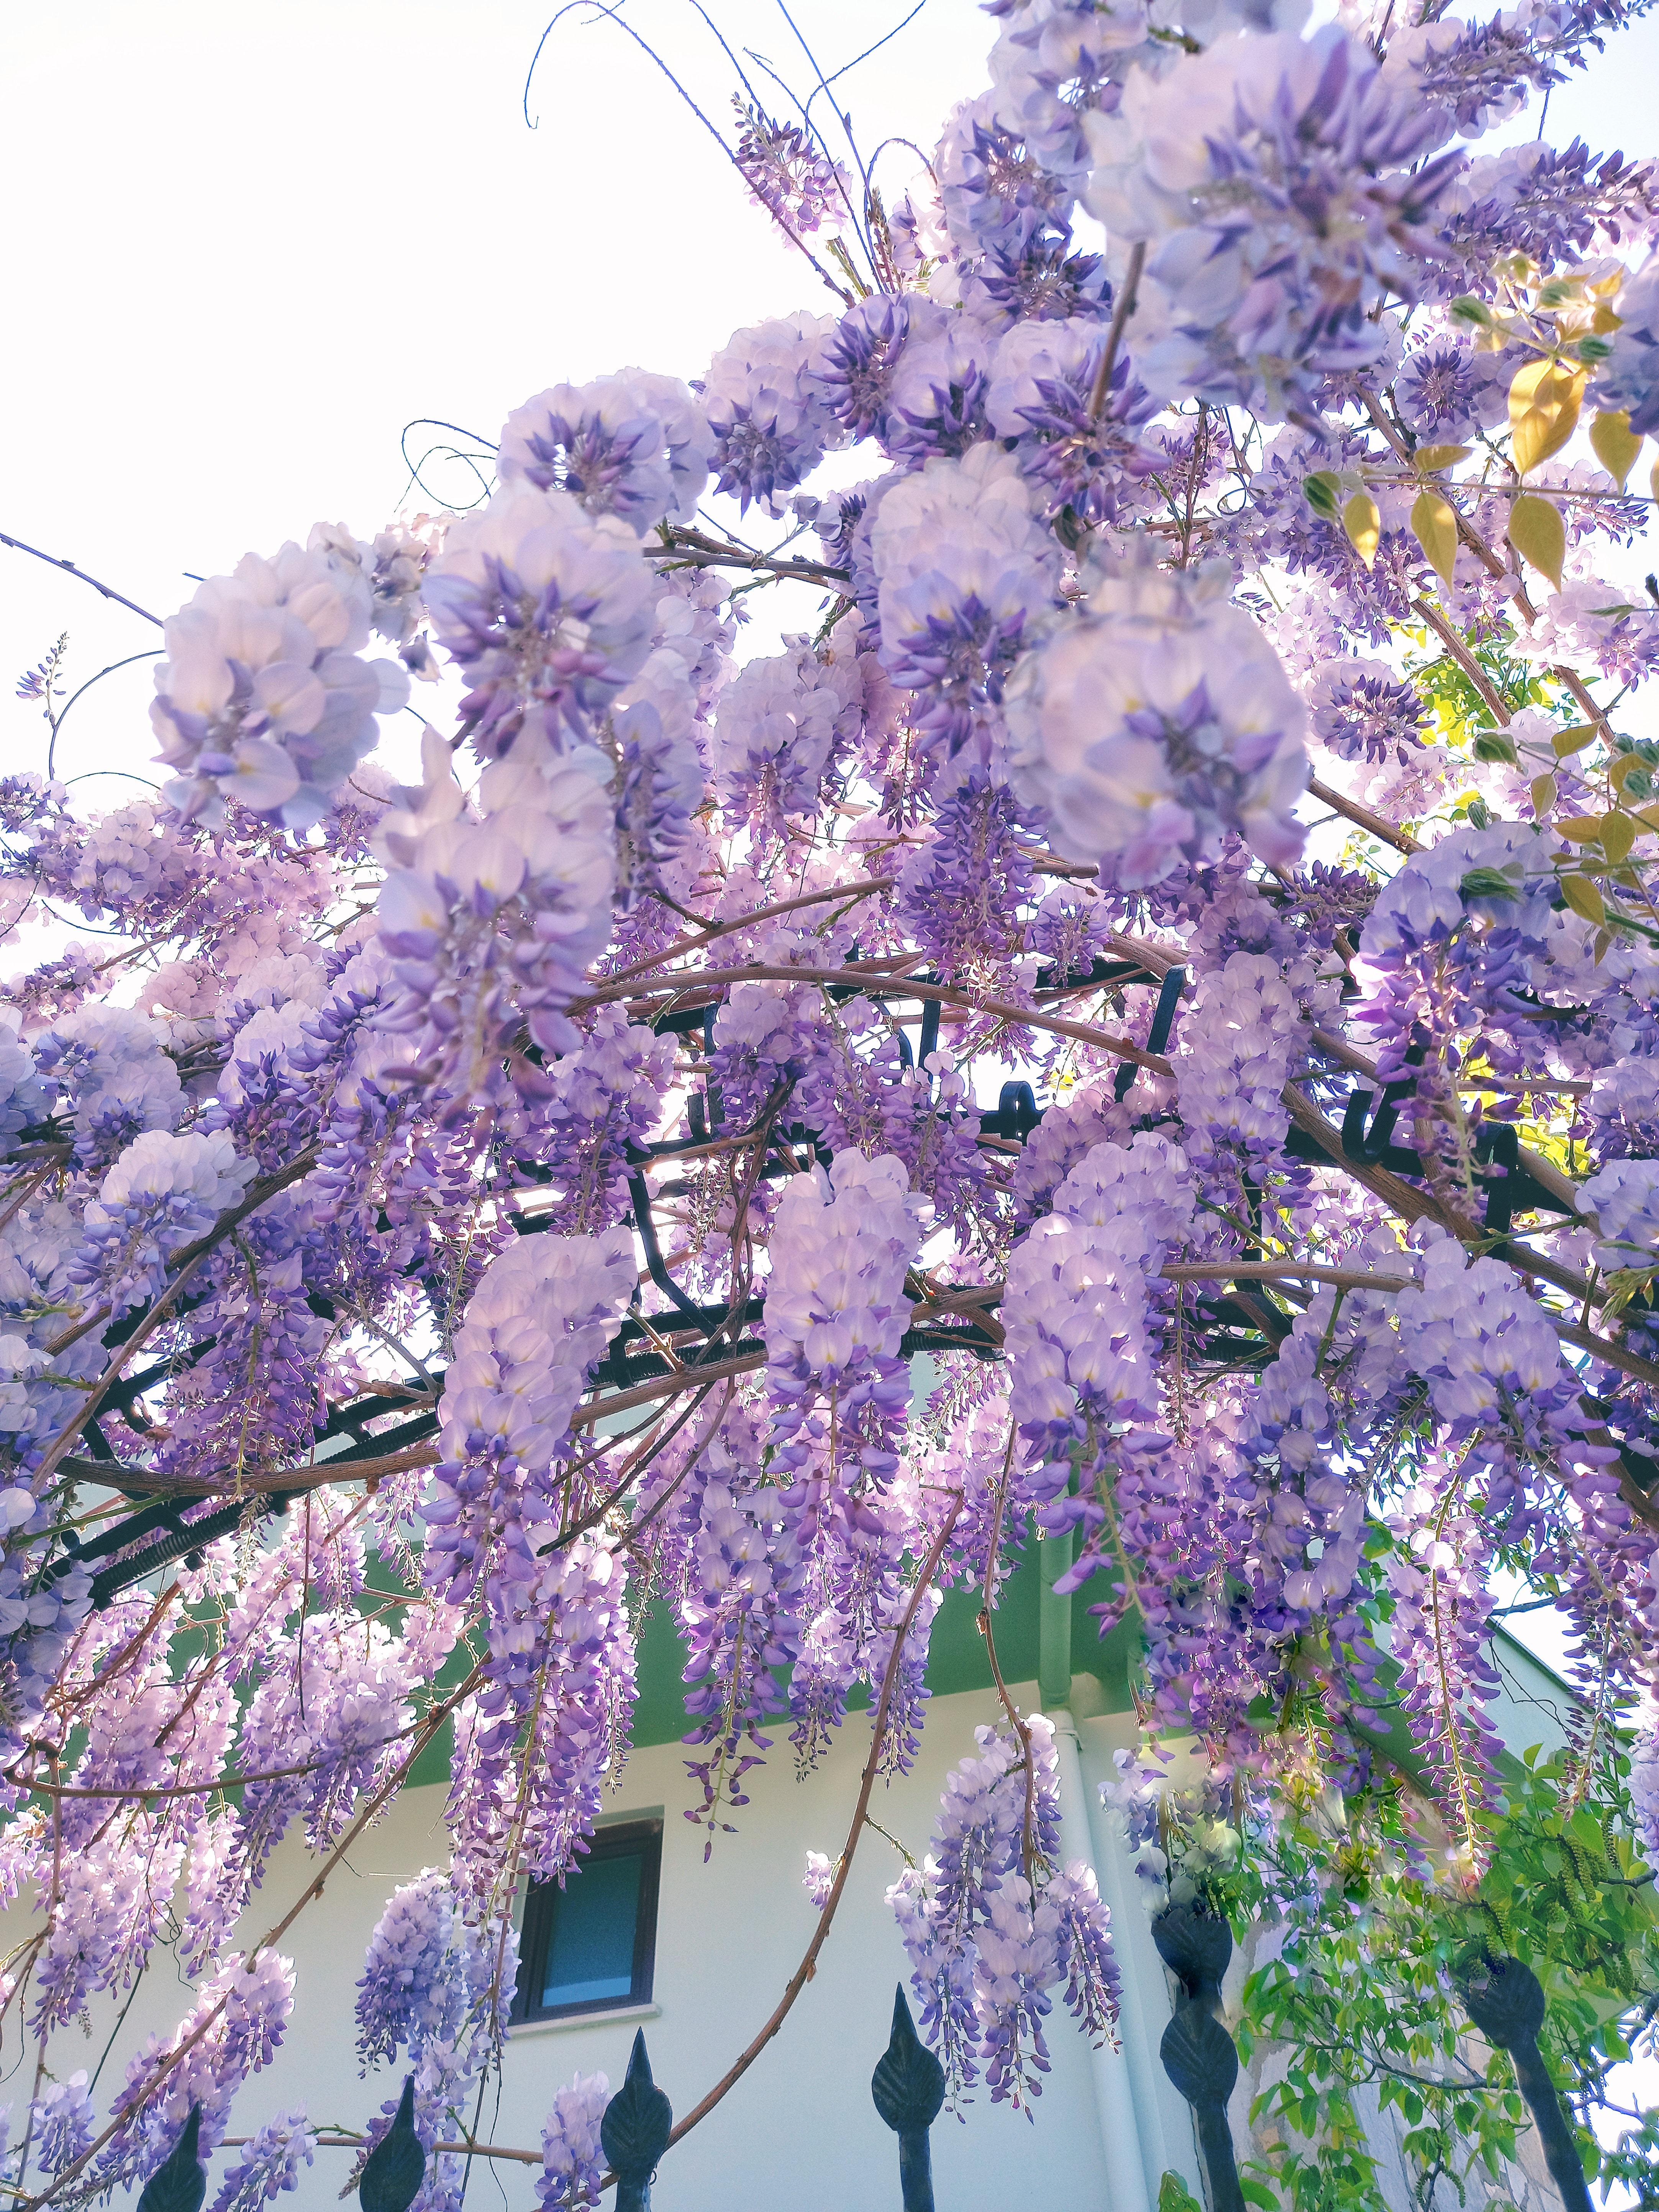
(592, 1944)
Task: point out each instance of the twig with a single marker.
(1121, 314)
(803, 1972)
(186, 1262)
(713, 929)
(1351, 811)
(879, 985)
(330, 1858)
(56, 561)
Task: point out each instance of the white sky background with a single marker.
(246, 242)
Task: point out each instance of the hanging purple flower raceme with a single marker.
(63, 2122)
(245, 2011)
(263, 698)
(993, 1920)
(634, 445)
(606, 1100)
(835, 1311)
(966, 573)
(1079, 1337)
(1042, 395)
(528, 1338)
(791, 176)
(161, 1193)
(996, 192)
(1154, 723)
(770, 415)
(493, 922)
(572, 2158)
(1440, 1640)
(1327, 157)
(546, 611)
(782, 725)
(1363, 711)
(961, 895)
(268, 2164)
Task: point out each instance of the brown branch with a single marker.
(803, 1972)
(664, 1386)
(330, 1858)
(1120, 314)
(319, 1476)
(1028, 1828)
(877, 985)
(1364, 817)
(711, 930)
(185, 1260)
(694, 549)
(1280, 1271)
(1465, 660)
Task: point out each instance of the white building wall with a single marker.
(800, 2131)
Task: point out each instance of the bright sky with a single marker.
(249, 242)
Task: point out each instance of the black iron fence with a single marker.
(1503, 1998)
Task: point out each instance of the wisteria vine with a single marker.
(1139, 1026)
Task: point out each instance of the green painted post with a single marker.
(1053, 1624)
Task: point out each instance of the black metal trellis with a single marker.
(180, 2184)
(635, 1354)
(906, 2089)
(634, 2131)
(1505, 2000)
(1199, 2056)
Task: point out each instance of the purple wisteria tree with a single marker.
(598, 1172)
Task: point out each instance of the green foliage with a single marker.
(1362, 1992)
(1450, 693)
(1173, 2196)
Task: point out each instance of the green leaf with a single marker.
(1545, 396)
(1494, 745)
(1363, 524)
(1584, 899)
(1485, 884)
(1468, 309)
(1320, 490)
(1434, 525)
(1253, 2192)
(1615, 445)
(1539, 536)
(1173, 2196)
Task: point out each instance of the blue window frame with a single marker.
(592, 1945)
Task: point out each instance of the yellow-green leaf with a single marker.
(1427, 458)
(1434, 525)
(1364, 525)
(1581, 828)
(1615, 445)
(1618, 836)
(1538, 535)
(1543, 795)
(1543, 402)
(1627, 764)
(1584, 899)
(1573, 740)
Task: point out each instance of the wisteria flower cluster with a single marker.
(1130, 1025)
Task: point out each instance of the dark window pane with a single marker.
(590, 1950)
